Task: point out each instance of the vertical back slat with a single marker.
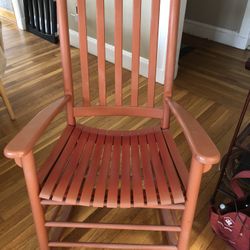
(118, 51)
(83, 51)
(155, 14)
(100, 19)
(135, 51)
(171, 47)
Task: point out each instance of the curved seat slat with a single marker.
(110, 169)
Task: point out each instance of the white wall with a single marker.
(224, 21)
(109, 22)
(6, 4)
(227, 14)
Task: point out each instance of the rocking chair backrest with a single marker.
(118, 108)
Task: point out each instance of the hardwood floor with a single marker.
(211, 84)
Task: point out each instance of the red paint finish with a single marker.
(118, 51)
(97, 168)
(83, 51)
(94, 165)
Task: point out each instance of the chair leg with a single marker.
(168, 218)
(29, 169)
(195, 176)
(65, 213)
(6, 101)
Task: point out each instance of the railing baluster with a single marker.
(36, 14)
(46, 16)
(31, 13)
(53, 16)
(41, 16)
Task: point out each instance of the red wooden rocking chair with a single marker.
(93, 167)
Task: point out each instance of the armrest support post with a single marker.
(195, 176)
(33, 189)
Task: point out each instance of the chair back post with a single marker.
(173, 25)
(66, 57)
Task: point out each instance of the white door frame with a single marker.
(245, 26)
(19, 13)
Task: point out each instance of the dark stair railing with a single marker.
(41, 19)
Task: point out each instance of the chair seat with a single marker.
(92, 167)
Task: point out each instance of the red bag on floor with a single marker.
(232, 221)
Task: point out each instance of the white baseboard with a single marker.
(217, 34)
(19, 13)
(248, 42)
(127, 56)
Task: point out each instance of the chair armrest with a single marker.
(202, 147)
(25, 140)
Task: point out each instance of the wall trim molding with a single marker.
(217, 34)
(110, 51)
